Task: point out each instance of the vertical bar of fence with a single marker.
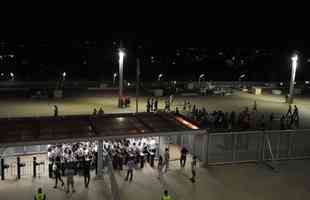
(207, 148)
(278, 146)
(234, 145)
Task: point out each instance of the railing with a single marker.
(267, 146)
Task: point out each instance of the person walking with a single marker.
(166, 159)
(193, 167)
(40, 195)
(56, 169)
(130, 165)
(86, 172)
(166, 196)
(289, 111)
(184, 152)
(160, 166)
(70, 177)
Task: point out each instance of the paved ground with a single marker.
(217, 183)
(85, 105)
(240, 182)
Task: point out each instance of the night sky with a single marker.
(178, 57)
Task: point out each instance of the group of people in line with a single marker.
(98, 112)
(152, 104)
(290, 119)
(80, 158)
(244, 120)
(69, 160)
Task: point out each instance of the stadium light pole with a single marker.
(121, 55)
(200, 77)
(114, 78)
(294, 59)
(64, 74)
(159, 77)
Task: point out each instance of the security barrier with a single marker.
(266, 147)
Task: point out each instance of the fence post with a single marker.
(34, 167)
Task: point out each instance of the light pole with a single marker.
(200, 77)
(293, 73)
(64, 74)
(12, 76)
(121, 55)
(159, 77)
(240, 78)
(114, 78)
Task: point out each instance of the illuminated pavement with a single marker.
(237, 102)
(240, 182)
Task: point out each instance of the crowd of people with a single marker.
(80, 158)
(248, 119)
(152, 104)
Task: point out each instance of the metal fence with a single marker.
(257, 146)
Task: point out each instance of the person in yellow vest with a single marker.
(40, 195)
(166, 196)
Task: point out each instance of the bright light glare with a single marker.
(160, 75)
(64, 74)
(294, 60)
(243, 75)
(186, 123)
(115, 75)
(2, 74)
(11, 74)
(281, 83)
(307, 82)
(121, 55)
(201, 75)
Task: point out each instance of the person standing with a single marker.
(86, 172)
(40, 195)
(166, 159)
(130, 165)
(184, 152)
(152, 105)
(193, 167)
(55, 111)
(56, 169)
(95, 112)
(271, 118)
(255, 106)
(156, 105)
(166, 196)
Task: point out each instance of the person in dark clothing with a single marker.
(95, 112)
(56, 169)
(184, 152)
(152, 105)
(289, 111)
(86, 172)
(193, 167)
(55, 111)
(271, 118)
(155, 105)
(282, 122)
(100, 112)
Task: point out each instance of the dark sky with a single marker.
(179, 56)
